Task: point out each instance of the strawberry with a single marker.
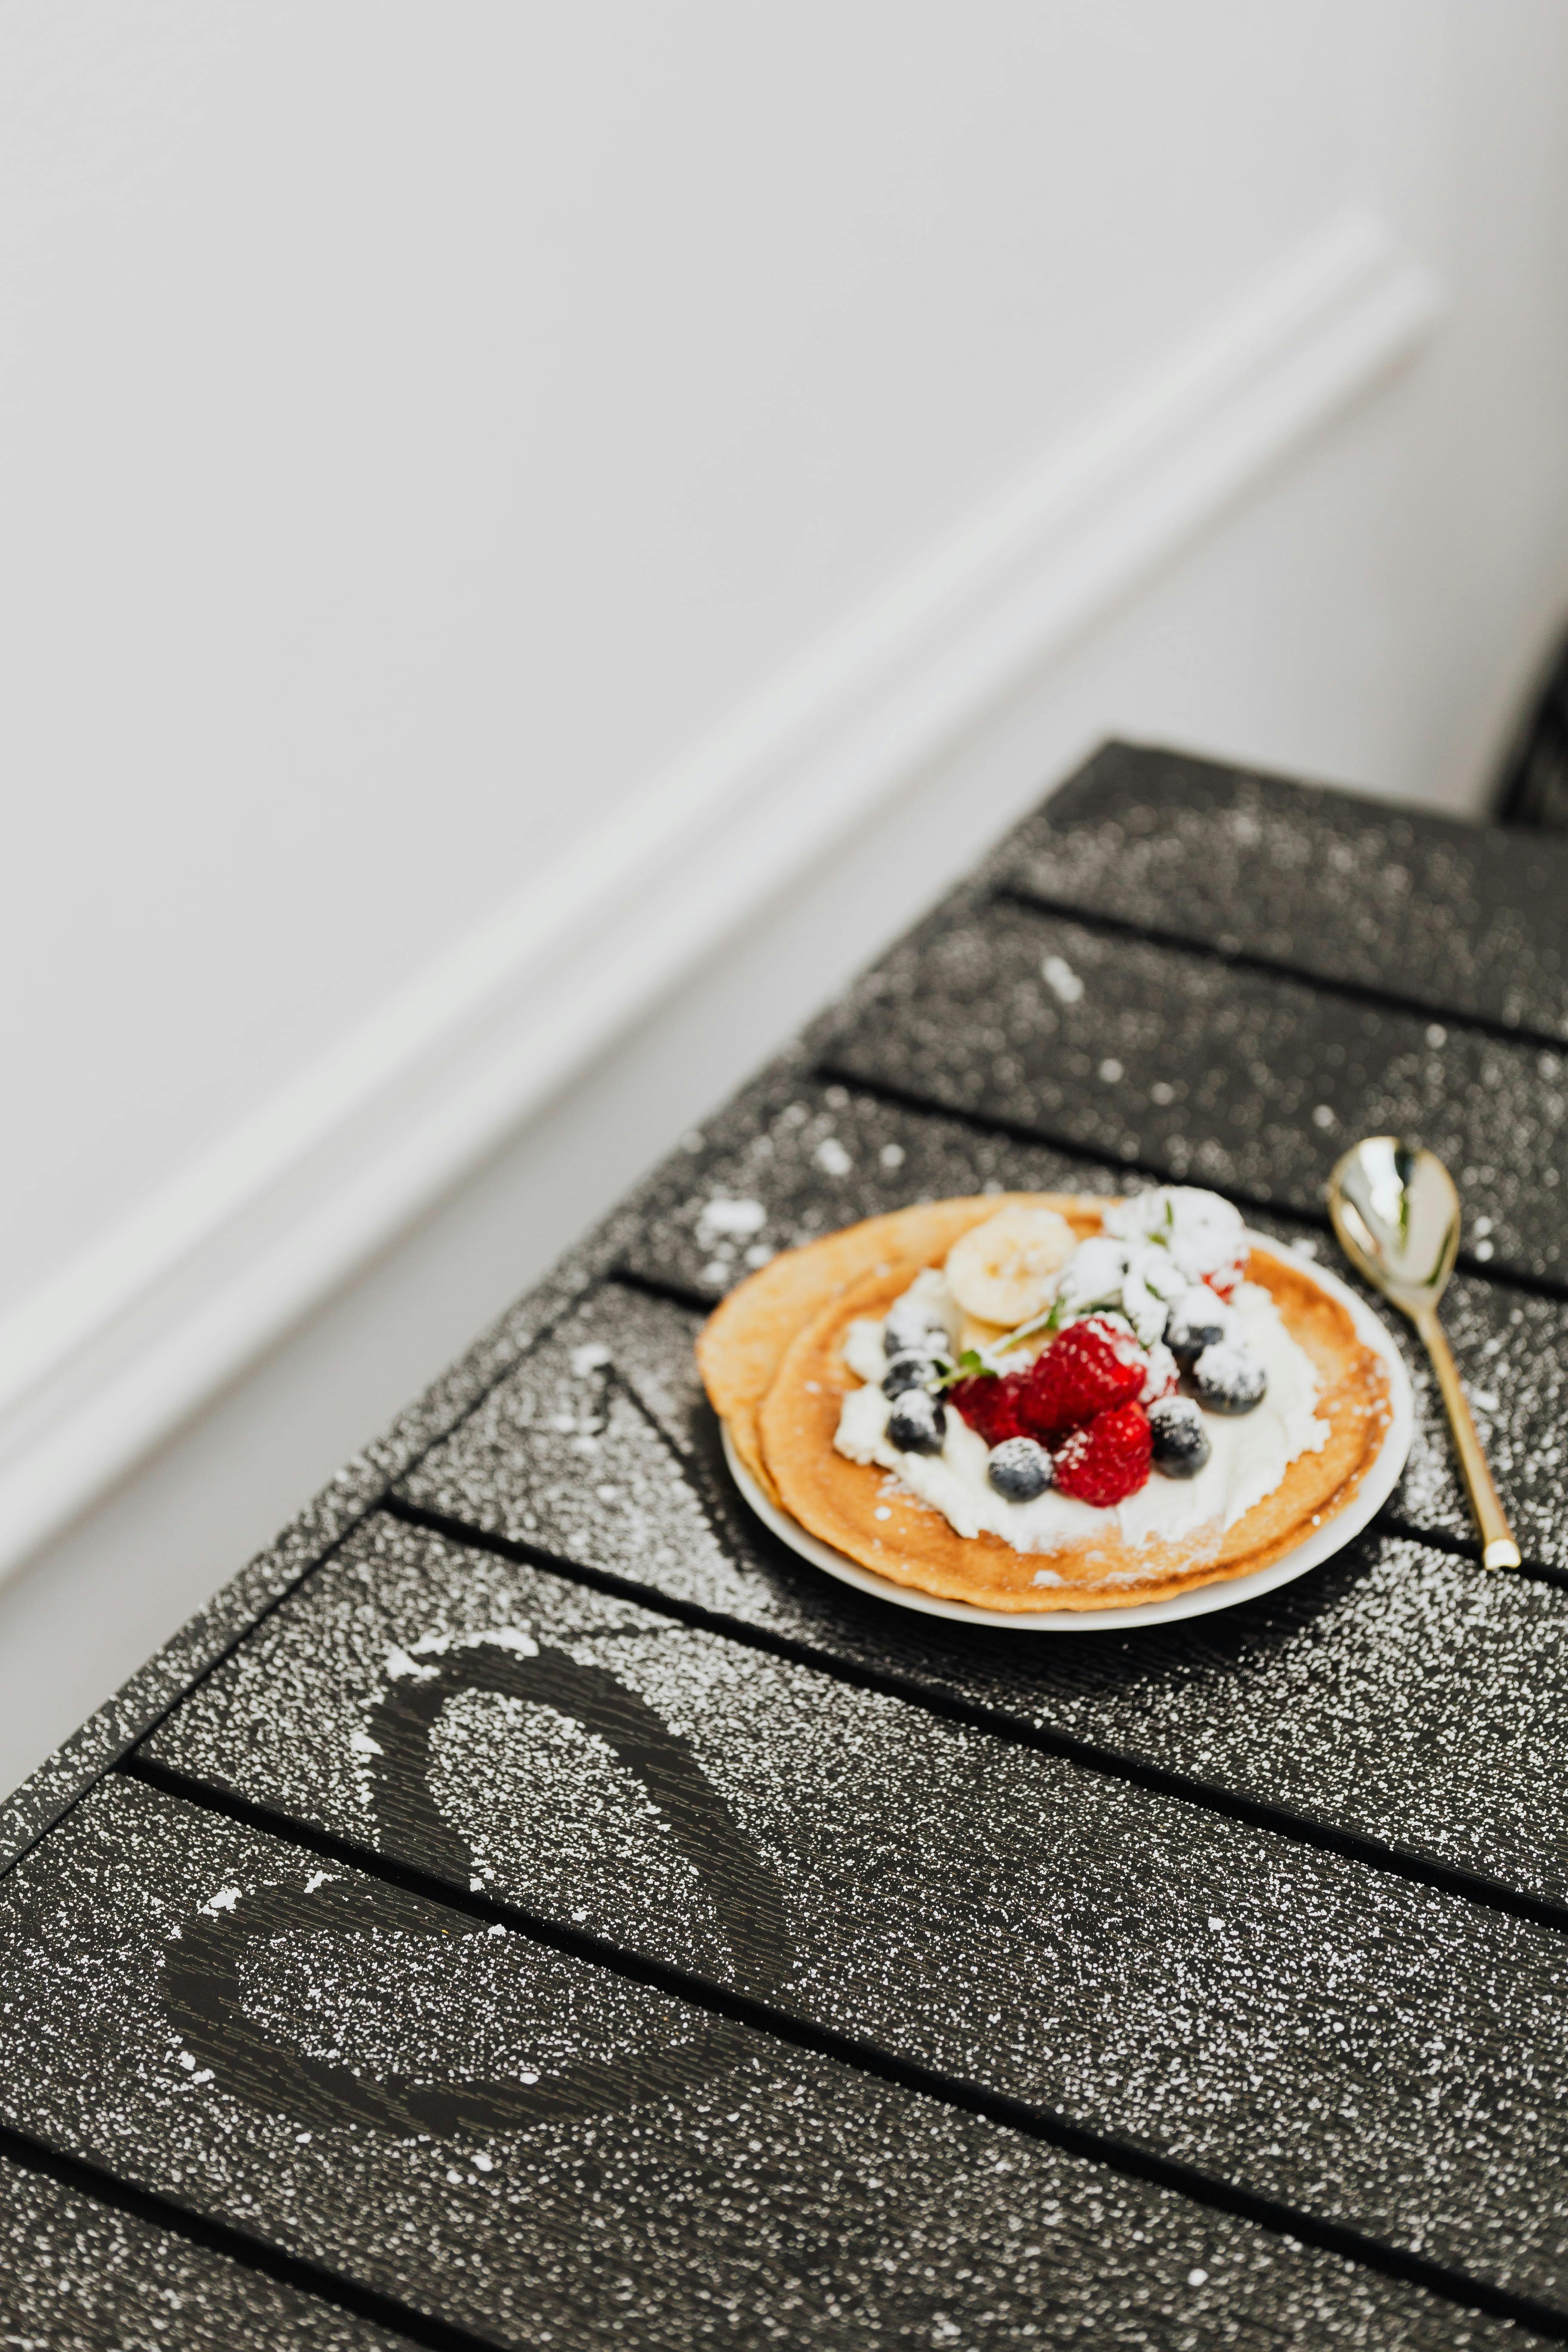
(989, 1402)
(1108, 1460)
(1090, 1369)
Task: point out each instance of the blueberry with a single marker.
(1181, 1440)
(1225, 1379)
(1019, 1469)
(1198, 1320)
(917, 1423)
(909, 1369)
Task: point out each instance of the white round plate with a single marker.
(1320, 1545)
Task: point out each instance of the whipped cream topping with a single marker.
(1198, 1231)
(1249, 1455)
(1153, 1249)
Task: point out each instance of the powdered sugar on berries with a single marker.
(1092, 1367)
(1107, 1460)
(1248, 1453)
(1201, 1234)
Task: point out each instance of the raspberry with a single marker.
(1108, 1460)
(990, 1403)
(1090, 1369)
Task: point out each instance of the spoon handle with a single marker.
(1498, 1548)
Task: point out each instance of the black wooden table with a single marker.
(533, 1907)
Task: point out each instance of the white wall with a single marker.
(420, 428)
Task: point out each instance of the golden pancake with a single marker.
(797, 1379)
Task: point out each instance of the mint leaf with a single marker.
(1049, 1321)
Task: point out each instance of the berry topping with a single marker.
(910, 1370)
(1161, 1379)
(1019, 1470)
(1181, 1440)
(1199, 1320)
(1225, 1379)
(1108, 1460)
(918, 1423)
(1090, 1369)
(990, 1404)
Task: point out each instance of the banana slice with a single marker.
(1006, 1270)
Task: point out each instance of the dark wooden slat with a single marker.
(1176, 1062)
(1460, 918)
(1382, 2056)
(824, 1155)
(28, 1811)
(79, 2276)
(1397, 1694)
(358, 2093)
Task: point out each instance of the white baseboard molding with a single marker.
(105, 1361)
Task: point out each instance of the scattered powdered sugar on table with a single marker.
(819, 2192)
(1061, 979)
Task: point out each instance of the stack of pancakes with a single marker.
(772, 1359)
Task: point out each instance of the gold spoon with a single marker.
(1397, 1215)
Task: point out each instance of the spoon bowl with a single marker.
(1397, 1215)
(1395, 1210)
